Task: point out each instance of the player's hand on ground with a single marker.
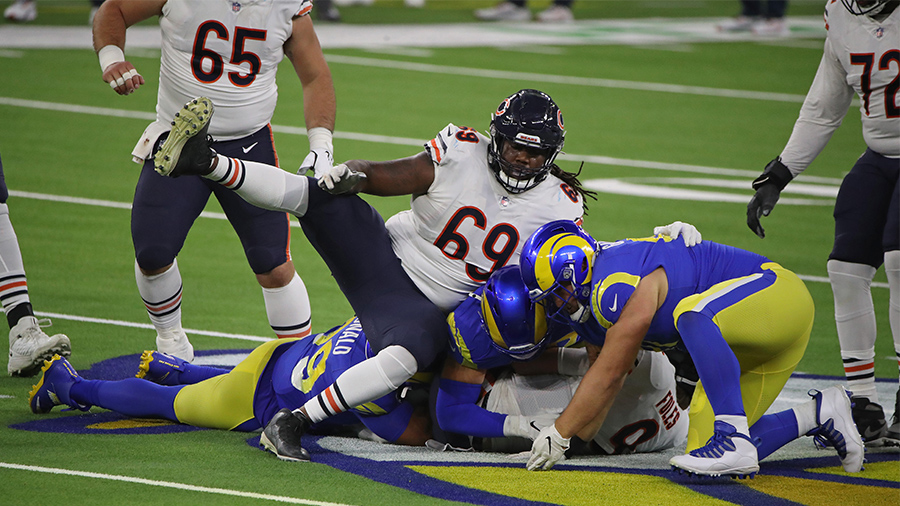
(686, 231)
(320, 161)
(548, 448)
(123, 78)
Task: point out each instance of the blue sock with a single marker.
(716, 364)
(775, 431)
(131, 397)
(194, 373)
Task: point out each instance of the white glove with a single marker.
(340, 179)
(549, 448)
(688, 232)
(527, 426)
(319, 160)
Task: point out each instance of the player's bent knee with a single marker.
(396, 365)
(154, 258)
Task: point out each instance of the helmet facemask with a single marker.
(870, 9)
(528, 119)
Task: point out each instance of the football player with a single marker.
(474, 201)
(744, 319)
(229, 51)
(499, 326)
(29, 345)
(279, 374)
(861, 56)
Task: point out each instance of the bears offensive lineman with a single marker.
(229, 51)
(861, 56)
(744, 319)
(402, 286)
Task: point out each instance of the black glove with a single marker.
(768, 188)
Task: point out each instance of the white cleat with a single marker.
(504, 12)
(21, 11)
(29, 346)
(175, 342)
(556, 14)
(728, 453)
(836, 428)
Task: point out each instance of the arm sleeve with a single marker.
(822, 112)
(456, 411)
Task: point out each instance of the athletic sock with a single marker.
(288, 309)
(854, 315)
(162, 297)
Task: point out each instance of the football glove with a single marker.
(549, 448)
(319, 160)
(527, 426)
(688, 233)
(768, 188)
(340, 179)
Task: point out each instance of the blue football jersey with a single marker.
(620, 265)
(312, 364)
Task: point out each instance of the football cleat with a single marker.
(176, 344)
(29, 346)
(54, 386)
(869, 418)
(187, 151)
(556, 14)
(728, 452)
(21, 11)
(282, 436)
(161, 368)
(506, 11)
(892, 437)
(835, 427)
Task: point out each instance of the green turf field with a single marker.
(659, 116)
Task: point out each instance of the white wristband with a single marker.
(320, 138)
(572, 361)
(109, 55)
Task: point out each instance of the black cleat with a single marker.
(282, 436)
(187, 151)
(869, 418)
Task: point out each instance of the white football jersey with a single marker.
(862, 57)
(644, 417)
(229, 51)
(467, 225)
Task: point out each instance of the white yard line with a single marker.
(167, 484)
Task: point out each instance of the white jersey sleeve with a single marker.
(644, 417)
(228, 51)
(861, 57)
(467, 225)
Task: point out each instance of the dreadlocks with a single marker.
(572, 180)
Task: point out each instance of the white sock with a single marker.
(13, 285)
(806, 417)
(739, 422)
(162, 296)
(364, 382)
(854, 316)
(263, 185)
(288, 309)
(892, 269)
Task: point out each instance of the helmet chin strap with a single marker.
(581, 315)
